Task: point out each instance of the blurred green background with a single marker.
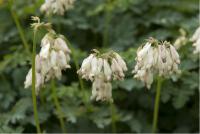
(121, 25)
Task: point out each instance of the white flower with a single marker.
(155, 56)
(52, 59)
(47, 39)
(101, 69)
(197, 45)
(196, 35)
(107, 70)
(56, 6)
(159, 58)
(58, 73)
(196, 40)
(50, 75)
(146, 76)
(117, 70)
(175, 55)
(121, 62)
(169, 61)
(44, 53)
(86, 65)
(38, 61)
(149, 59)
(101, 90)
(99, 65)
(28, 80)
(60, 44)
(62, 60)
(45, 66)
(141, 53)
(39, 82)
(94, 71)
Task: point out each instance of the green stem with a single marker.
(113, 121)
(106, 26)
(58, 107)
(42, 97)
(156, 105)
(33, 85)
(105, 44)
(19, 27)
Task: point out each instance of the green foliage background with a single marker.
(128, 24)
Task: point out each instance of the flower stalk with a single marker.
(106, 24)
(58, 107)
(113, 121)
(156, 105)
(19, 27)
(33, 84)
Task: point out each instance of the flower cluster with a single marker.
(57, 6)
(155, 58)
(101, 69)
(196, 40)
(52, 59)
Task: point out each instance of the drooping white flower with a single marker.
(44, 52)
(110, 64)
(38, 61)
(174, 54)
(60, 44)
(94, 71)
(196, 35)
(62, 60)
(99, 65)
(57, 6)
(121, 62)
(117, 70)
(155, 58)
(52, 59)
(58, 73)
(197, 45)
(101, 69)
(28, 80)
(101, 90)
(47, 39)
(107, 70)
(38, 83)
(141, 53)
(196, 40)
